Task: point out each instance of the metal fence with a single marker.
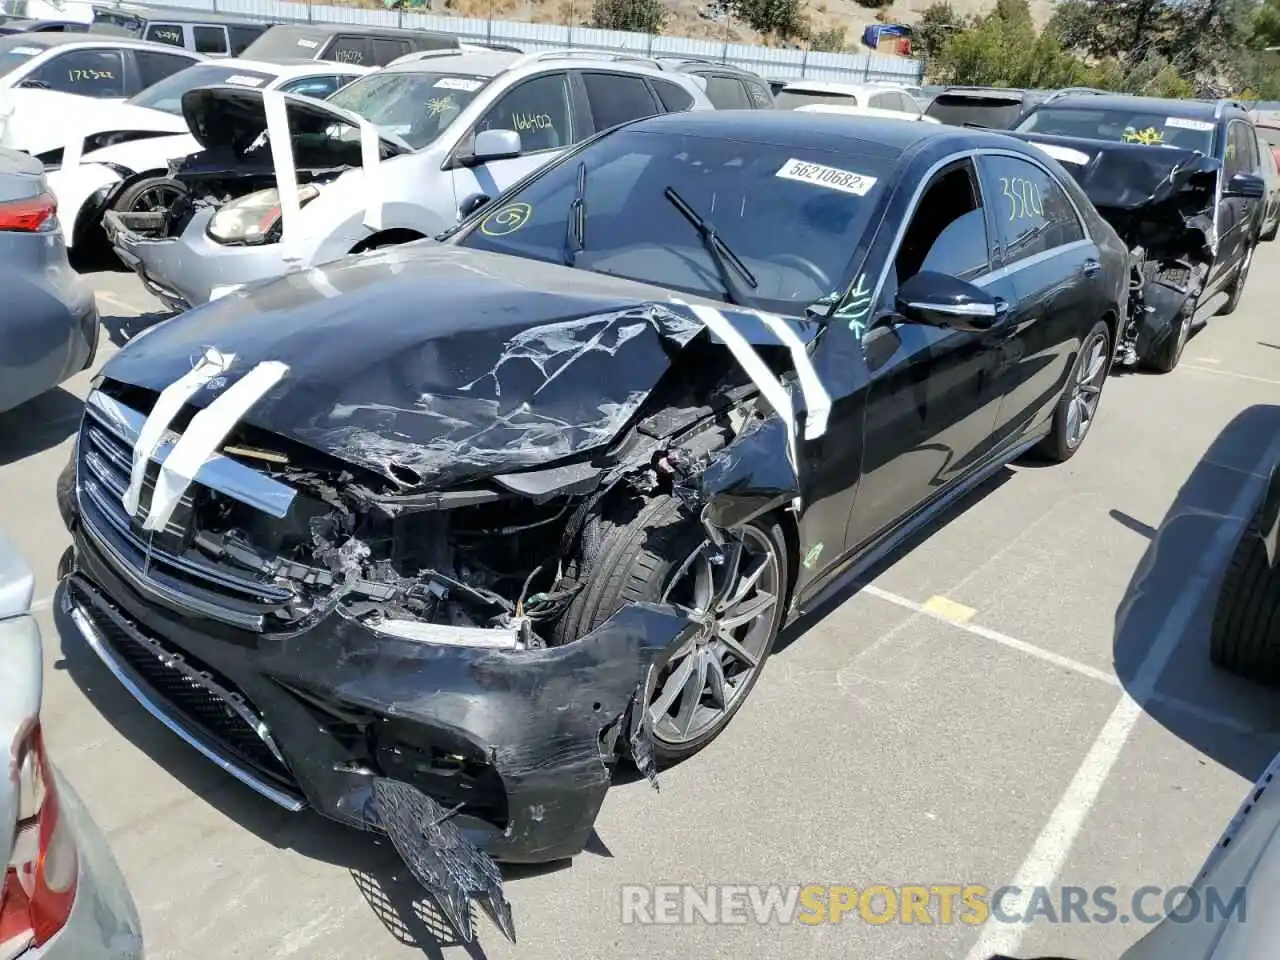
(774, 63)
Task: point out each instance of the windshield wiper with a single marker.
(575, 228)
(726, 261)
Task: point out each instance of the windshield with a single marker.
(17, 51)
(790, 99)
(791, 215)
(998, 113)
(1122, 126)
(416, 107)
(167, 94)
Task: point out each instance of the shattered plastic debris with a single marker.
(452, 869)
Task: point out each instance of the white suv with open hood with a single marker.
(388, 159)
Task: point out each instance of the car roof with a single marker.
(488, 63)
(1190, 109)
(289, 68)
(993, 93)
(867, 136)
(179, 15)
(689, 64)
(357, 29)
(52, 40)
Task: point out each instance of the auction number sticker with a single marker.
(507, 220)
(1181, 123)
(240, 80)
(458, 83)
(833, 178)
(25, 51)
(309, 44)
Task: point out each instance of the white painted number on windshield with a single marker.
(832, 178)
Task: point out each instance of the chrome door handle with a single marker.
(1091, 268)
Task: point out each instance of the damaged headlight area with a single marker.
(255, 218)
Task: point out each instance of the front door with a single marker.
(541, 111)
(931, 405)
(1056, 274)
(1235, 214)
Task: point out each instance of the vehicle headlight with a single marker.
(251, 218)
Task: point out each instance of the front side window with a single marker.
(170, 33)
(416, 107)
(90, 73)
(616, 98)
(1122, 125)
(384, 50)
(538, 110)
(760, 97)
(792, 216)
(1032, 211)
(166, 94)
(210, 39)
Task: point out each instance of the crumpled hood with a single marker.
(1157, 197)
(437, 362)
(236, 117)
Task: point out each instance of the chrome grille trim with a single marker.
(219, 473)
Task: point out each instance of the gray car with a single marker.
(65, 898)
(48, 319)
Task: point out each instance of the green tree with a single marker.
(935, 27)
(828, 41)
(638, 16)
(780, 18)
(1265, 28)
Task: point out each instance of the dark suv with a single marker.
(1220, 129)
(994, 107)
(360, 44)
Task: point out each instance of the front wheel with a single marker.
(1245, 636)
(149, 195)
(736, 594)
(1237, 288)
(1079, 404)
(1166, 356)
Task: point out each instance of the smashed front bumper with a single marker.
(191, 269)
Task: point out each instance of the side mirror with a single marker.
(1246, 186)
(937, 300)
(471, 204)
(494, 145)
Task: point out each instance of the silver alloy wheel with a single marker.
(733, 593)
(1091, 372)
(156, 199)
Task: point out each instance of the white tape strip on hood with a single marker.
(370, 153)
(214, 363)
(816, 399)
(756, 369)
(281, 139)
(207, 430)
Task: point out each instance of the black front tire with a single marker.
(1058, 446)
(1165, 357)
(1245, 637)
(632, 555)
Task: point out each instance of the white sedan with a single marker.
(116, 156)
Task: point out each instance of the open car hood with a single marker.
(222, 116)
(438, 364)
(1159, 198)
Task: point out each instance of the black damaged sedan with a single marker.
(429, 538)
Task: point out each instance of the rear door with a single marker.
(614, 98)
(1043, 248)
(1236, 215)
(387, 49)
(350, 48)
(541, 110)
(726, 92)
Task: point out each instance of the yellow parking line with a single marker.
(948, 609)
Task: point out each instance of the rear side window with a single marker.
(384, 50)
(727, 93)
(154, 67)
(90, 73)
(615, 98)
(758, 95)
(210, 39)
(350, 49)
(675, 98)
(170, 33)
(241, 37)
(1032, 212)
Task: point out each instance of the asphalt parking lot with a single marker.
(1023, 697)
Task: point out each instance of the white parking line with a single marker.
(118, 303)
(1231, 373)
(1044, 862)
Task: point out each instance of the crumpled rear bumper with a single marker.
(518, 742)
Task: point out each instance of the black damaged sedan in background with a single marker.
(430, 538)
